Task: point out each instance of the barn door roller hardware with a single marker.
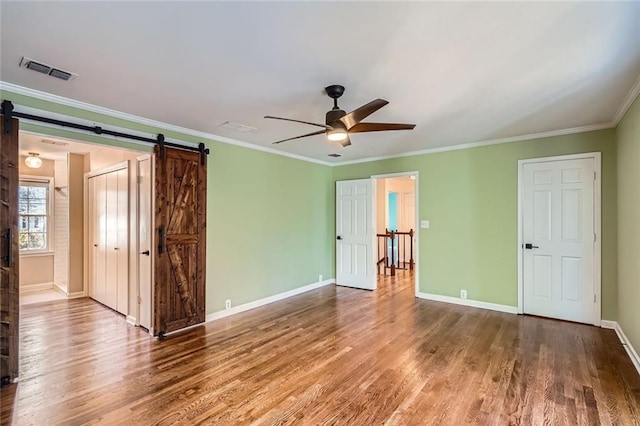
(9, 113)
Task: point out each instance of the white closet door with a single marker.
(122, 252)
(100, 248)
(91, 230)
(111, 290)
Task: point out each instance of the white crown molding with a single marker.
(521, 138)
(468, 302)
(261, 302)
(628, 101)
(21, 90)
(44, 96)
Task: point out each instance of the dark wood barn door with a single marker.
(9, 290)
(179, 289)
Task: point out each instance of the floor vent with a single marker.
(43, 68)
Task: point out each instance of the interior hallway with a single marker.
(335, 354)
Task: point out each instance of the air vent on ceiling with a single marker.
(51, 142)
(43, 68)
(242, 128)
(335, 155)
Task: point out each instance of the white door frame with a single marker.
(149, 297)
(416, 257)
(597, 227)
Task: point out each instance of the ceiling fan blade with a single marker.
(324, 126)
(345, 142)
(319, 132)
(379, 127)
(357, 115)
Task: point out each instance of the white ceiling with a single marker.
(463, 72)
(42, 145)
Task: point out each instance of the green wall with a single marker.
(628, 141)
(270, 218)
(470, 198)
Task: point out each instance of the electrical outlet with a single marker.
(463, 294)
(227, 304)
(319, 278)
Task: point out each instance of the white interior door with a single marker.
(122, 245)
(558, 237)
(144, 241)
(354, 229)
(111, 284)
(100, 244)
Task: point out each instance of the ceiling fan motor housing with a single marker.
(334, 115)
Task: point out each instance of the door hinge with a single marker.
(139, 179)
(594, 175)
(594, 298)
(594, 237)
(139, 300)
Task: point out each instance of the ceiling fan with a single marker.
(339, 125)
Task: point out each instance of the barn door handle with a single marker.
(9, 256)
(163, 239)
(530, 246)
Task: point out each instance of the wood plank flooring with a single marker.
(330, 356)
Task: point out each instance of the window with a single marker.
(34, 210)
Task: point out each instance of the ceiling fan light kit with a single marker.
(339, 125)
(337, 135)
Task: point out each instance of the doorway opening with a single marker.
(395, 224)
(368, 252)
(80, 210)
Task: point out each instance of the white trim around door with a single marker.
(416, 257)
(597, 226)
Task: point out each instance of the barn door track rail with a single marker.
(9, 112)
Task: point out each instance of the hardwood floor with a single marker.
(330, 356)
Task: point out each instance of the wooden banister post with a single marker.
(393, 261)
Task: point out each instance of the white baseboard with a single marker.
(131, 319)
(75, 295)
(35, 287)
(635, 359)
(468, 302)
(261, 302)
(60, 289)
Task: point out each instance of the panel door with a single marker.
(9, 256)
(354, 239)
(558, 225)
(180, 218)
(110, 295)
(100, 235)
(92, 235)
(122, 244)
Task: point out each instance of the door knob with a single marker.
(530, 246)
(146, 253)
(338, 237)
